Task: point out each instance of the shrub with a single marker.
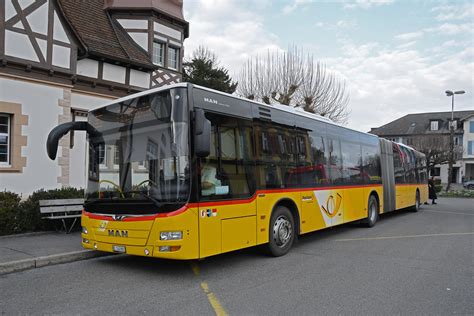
(25, 216)
(438, 188)
(461, 193)
(9, 203)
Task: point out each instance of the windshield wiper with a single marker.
(149, 198)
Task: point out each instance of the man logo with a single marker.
(209, 100)
(118, 233)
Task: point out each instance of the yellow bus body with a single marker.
(212, 228)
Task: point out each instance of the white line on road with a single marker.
(457, 213)
(406, 236)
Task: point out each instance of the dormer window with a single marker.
(173, 55)
(454, 124)
(158, 53)
(433, 125)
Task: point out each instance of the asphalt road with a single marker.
(409, 263)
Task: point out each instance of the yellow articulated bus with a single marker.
(185, 172)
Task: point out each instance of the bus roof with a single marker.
(284, 108)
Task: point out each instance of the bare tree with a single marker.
(435, 148)
(204, 53)
(295, 79)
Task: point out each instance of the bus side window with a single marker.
(351, 163)
(371, 172)
(269, 157)
(335, 161)
(228, 171)
(312, 167)
(398, 165)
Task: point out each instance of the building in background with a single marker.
(429, 132)
(60, 58)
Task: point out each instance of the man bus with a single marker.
(185, 172)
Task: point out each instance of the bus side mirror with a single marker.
(202, 132)
(61, 130)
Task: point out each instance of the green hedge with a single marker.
(18, 216)
(461, 193)
(438, 188)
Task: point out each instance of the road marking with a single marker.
(406, 236)
(195, 269)
(458, 213)
(213, 300)
(216, 305)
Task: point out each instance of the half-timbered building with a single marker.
(60, 58)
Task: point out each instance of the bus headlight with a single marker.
(84, 230)
(171, 235)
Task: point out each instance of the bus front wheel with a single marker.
(372, 212)
(282, 232)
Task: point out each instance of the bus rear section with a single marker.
(404, 175)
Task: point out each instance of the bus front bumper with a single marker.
(144, 237)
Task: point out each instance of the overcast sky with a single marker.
(397, 57)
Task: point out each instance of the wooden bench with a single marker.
(62, 210)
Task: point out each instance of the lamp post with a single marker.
(451, 94)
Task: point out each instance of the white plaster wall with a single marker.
(140, 38)
(133, 24)
(61, 56)
(37, 19)
(443, 172)
(88, 67)
(139, 78)
(163, 29)
(19, 45)
(58, 33)
(467, 137)
(40, 103)
(77, 157)
(114, 73)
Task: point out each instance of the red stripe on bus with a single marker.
(319, 188)
(138, 218)
(221, 203)
(95, 216)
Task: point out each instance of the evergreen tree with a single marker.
(204, 70)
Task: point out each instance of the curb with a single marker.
(38, 262)
(32, 234)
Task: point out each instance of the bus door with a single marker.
(227, 209)
(312, 173)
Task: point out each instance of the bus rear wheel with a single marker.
(282, 232)
(372, 212)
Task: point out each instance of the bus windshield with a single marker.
(139, 157)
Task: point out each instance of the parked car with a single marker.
(469, 184)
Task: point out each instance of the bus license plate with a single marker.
(120, 249)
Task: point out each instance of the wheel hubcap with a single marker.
(282, 231)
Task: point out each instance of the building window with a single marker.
(158, 53)
(458, 140)
(4, 139)
(116, 156)
(435, 172)
(470, 147)
(102, 155)
(471, 127)
(173, 54)
(434, 125)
